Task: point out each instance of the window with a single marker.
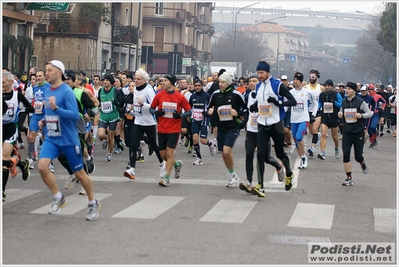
(159, 8)
(21, 30)
(159, 39)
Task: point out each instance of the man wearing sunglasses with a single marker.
(315, 89)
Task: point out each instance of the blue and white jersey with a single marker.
(269, 113)
(38, 97)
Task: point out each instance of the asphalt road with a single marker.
(198, 220)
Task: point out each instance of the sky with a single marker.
(372, 7)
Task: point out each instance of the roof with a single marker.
(270, 28)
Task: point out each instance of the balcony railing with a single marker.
(187, 50)
(126, 34)
(178, 14)
(67, 27)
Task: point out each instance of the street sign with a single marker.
(293, 58)
(49, 6)
(186, 62)
(345, 60)
(390, 79)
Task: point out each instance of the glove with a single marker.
(254, 107)
(273, 100)
(176, 115)
(160, 113)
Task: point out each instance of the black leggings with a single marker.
(275, 131)
(250, 145)
(136, 135)
(357, 141)
(21, 127)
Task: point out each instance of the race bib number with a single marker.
(137, 109)
(107, 107)
(198, 114)
(298, 107)
(9, 115)
(253, 120)
(350, 115)
(328, 107)
(224, 113)
(169, 109)
(53, 125)
(265, 109)
(38, 106)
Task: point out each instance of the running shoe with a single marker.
(288, 182)
(117, 150)
(51, 167)
(348, 182)
(13, 168)
(304, 162)
(194, 153)
(186, 143)
(164, 182)
(190, 149)
(70, 182)
(365, 168)
(300, 165)
(212, 148)
(92, 211)
(82, 191)
(140, 159)
(31, 164)
(336, 153)
(310, 151)
(258, 191)
(232, 180)
(130, 173)
(25, 169)
(105, 144)
(281, 173)
(246, 186)
(178, 169)
(198, 161)
(162, 169)
(321, 156)
(90, 166)
(109, 157)
(4, 196)
(57, 205)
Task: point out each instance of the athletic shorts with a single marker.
(112, 124)
(10, 133)
(196, 128)
(72, 153)
(185, 123)
(34, 122)
(167, 140)
(227, 138)
(330, 123)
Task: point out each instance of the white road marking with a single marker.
(229, 211)
(149, 208)
(384, 220)
(311, 215)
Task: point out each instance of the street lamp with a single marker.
(355, 26)
(235, 28)
(362, 12)
(252, 33)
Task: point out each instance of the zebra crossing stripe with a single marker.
(14, 194)
(384, 220)
(310, 215)
(149, 208)
(75, 203)
(229, 211)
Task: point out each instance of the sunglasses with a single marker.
(312, 77)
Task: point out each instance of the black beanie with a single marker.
(71, 75)
(221, 71)
(351, 85)
(110, 78)
(298, 76)
(197, 81)
(171, 78)
(262, 65)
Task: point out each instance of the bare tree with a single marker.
(250, 48)
(370, 59)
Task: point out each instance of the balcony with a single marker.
(164, 13)
(69, 27)
(125, 34)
